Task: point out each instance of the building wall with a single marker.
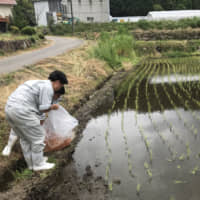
(5, 10)
(90, 10)
(41, 9)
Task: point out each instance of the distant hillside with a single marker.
(142, 7)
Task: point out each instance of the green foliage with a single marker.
(175, 54)
(43, 29)
(23, 14)
(112, 48)
(157, 7)
(28, 30)
(170, 48)
(87, 28)
(142, 7)
(41, 36)
(25, 174)
(14, 29)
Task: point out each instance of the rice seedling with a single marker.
(195, 170)
(179, 182)
(138, 189)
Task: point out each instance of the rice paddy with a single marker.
(150, 137)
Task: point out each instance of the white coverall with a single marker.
(23, 112)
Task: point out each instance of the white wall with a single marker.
(173, 15)
(41, 8)
(5, 10)
(99, 10)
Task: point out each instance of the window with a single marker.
(79, 1)
(90, 19)
(90, 2)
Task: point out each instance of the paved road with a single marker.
(59, 46)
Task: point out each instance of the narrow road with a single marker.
(59, 46)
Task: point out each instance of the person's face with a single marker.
(57, 85)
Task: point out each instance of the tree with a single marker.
(142, 7)
(23, 14)
(157, 7)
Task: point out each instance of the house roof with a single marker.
(8, 2)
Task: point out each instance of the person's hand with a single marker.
(54, 107)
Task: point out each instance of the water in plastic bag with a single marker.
(59, 127)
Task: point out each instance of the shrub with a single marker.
(41, 36)
(28, 30)
(33, 40)
(113, 48)
(43, 29)
(14, 29)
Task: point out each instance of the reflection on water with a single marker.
(92, 151)
(164, 129)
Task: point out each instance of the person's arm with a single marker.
(52, 107)
(45, 100)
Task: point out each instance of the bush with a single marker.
(41, 36)
(112, 48)
(14, 29)
(28, 30)
(33, 40)
(43, 29)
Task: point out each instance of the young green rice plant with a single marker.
(187, 93)
(172, 129)
(192, 128)
(138, 189)
(172, 151)
(148, 170)
(195, 170)
(127, 150)
(163, 139)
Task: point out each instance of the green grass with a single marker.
(10, 36)
(115, 48)
(21, 175)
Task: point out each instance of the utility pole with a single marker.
(72, 16)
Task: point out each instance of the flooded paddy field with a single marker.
(147, 146)
(143, 142)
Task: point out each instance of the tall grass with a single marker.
(113, 48)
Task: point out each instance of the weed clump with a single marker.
(113, 48)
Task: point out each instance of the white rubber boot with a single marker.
(45, 160)
(43, 166)
(11, 141)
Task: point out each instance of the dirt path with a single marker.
(59, 46)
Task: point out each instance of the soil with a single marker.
(63, 182)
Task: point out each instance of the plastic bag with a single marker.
(59, 127)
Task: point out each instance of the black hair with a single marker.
(58, 75)
(61, 91)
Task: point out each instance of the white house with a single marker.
(84, 10)
(89, 10)
(5, 11)
(173, 14)
(48, 8)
